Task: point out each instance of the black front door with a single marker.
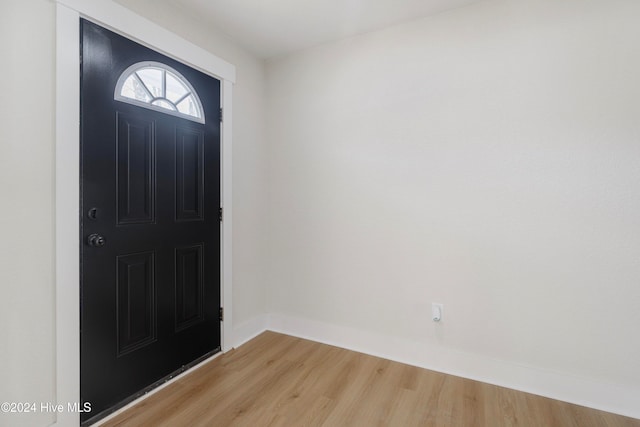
(150, 193)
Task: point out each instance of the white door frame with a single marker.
(67, 175)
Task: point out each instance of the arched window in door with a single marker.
(159, 87)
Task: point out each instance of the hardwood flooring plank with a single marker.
(431, 388)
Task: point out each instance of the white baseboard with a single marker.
(248, 330)
(616, 398)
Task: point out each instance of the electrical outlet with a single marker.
(436, 312)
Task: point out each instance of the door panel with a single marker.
(150, 192)
(136, 145)
(189, 286)
(189, 174)
(136, 302)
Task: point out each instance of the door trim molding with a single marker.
(67, 171)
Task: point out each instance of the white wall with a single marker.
(26, 207)
(487, 158)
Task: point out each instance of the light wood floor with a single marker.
(278, 380)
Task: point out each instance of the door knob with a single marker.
(95, 240)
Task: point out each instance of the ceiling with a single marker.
(271, 28)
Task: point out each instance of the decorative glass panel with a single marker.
(188, 105)
(175, 89)
(134, 89)
(152, 79)
(159, 87)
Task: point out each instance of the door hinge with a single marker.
(221, 314)
(220, 214)
(220, 115)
